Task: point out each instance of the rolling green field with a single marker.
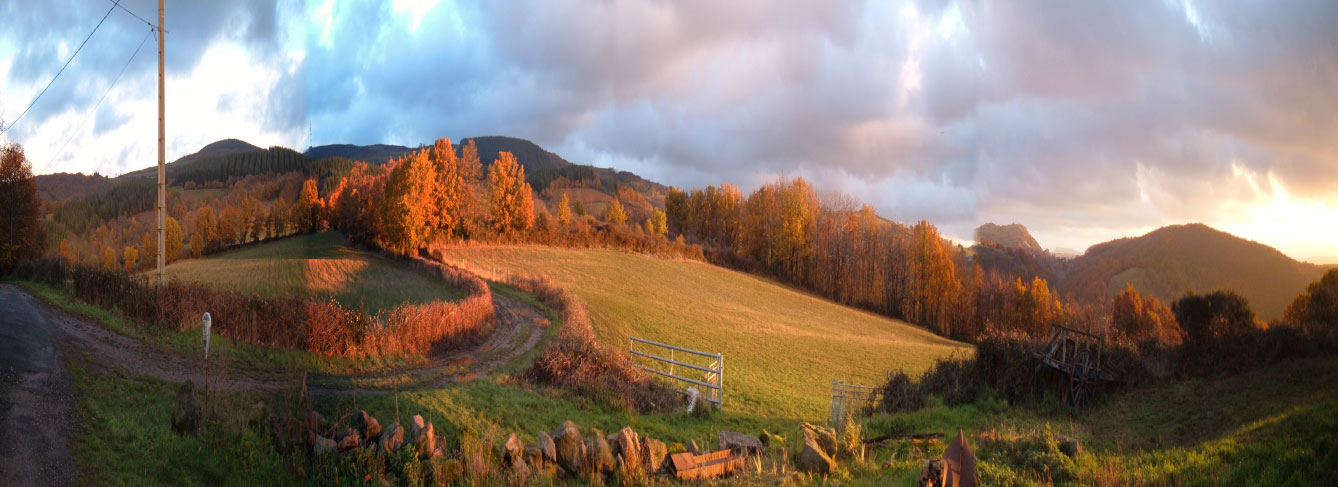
(317, 266)
(781, 347)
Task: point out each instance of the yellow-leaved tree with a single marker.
(616, 214)
(409, 210)
(564, 211)
(172, 239)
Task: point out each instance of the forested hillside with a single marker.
(1173, 260)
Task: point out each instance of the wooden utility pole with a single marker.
(162, 151)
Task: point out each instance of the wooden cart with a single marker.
(1077, 355)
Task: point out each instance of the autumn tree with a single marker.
(20, 218)
(108, 258)
(657, 223)
(172, 239)
(616, 214)
(229, 225)
(66, 254)
(676, 209)
(409, 209)
(564, 211)
(453, 192)
(148, 247)
(471, 167)
(1316, 308)
(308, 209)
(206, 227)
(196, 244)
(509, 196)
(1214, 316)
(131, 257)
(1143, 317)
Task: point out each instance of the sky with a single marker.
(1084, 121)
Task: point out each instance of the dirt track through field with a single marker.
(518, 329)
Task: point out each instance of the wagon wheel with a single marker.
(1082, 378)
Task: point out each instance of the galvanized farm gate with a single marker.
(851, 399)
(711, 376)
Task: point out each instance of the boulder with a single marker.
(740, 443)
(350, 441)
(185, 415)
(822, 436)
(598, 455)
(629, 449)
(392, 438)
(512, 450)
(569, 448)
(614, 447)
(519, 471)
(423, 437)
(368, 426)
(533, 457)
(655, 452)
(813, 459)
(546, 447)
(1069, 446)
(323, 445)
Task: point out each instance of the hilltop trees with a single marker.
(1316, 309)
(20, 217)
(509, 196)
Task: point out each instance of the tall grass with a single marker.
(325, 328)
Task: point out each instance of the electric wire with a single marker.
(62, 68)
(99, 103)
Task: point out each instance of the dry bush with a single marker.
(576, 360)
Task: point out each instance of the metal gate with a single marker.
(711, 376)
(850, 399)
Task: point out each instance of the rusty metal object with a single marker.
(687, 466)
(956, 469)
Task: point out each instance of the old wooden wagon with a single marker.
(1076, 354)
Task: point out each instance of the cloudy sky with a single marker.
(1085, 121)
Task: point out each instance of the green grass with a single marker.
(124, 436)
(318, 266)
(781, 347)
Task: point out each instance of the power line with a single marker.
(117, 3)
(99, 103)
(62, 68)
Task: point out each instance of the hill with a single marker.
(65, 186)
(1173, 260)
(318, 266)
(375, 154)
(1013, 235)
(782, 347)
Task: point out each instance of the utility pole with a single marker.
(162, 151)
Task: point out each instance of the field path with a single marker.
(36, 398)
(39, 332)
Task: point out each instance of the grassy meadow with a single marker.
(318, 266)
(782, 347)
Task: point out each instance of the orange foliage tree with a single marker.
(308, 209)
(509, 196)
(22, 208)
(409, 210)
(1143, 317)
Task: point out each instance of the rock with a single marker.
(423, 437)
(1069, 446)
(813, 459)
(614, 447)
(655, 453)
(323, 445)
(368, 425)
(185, 416)
(534, 457)
(739, 442)
(933, 474)
(520, 472)
(629, 449)
(512, 450)
(824, 437)
(350, 441)
(392, 438)
(545, 444)
(569, 448)
(598, 455)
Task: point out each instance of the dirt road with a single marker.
(36, 399)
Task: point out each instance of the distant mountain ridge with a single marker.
(1173, 260)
